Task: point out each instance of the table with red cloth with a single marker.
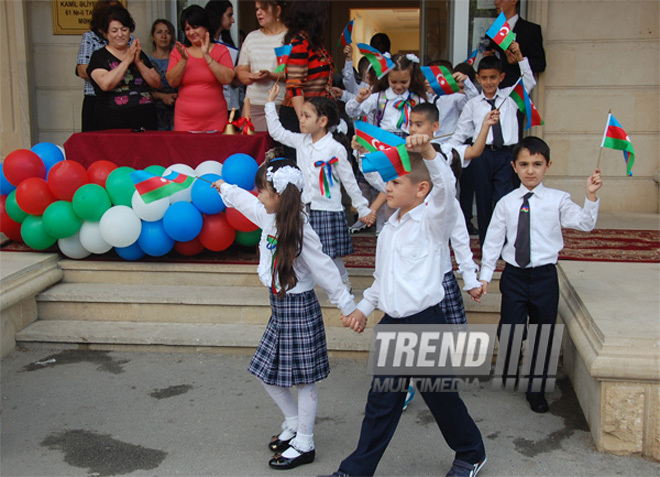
(142, 149)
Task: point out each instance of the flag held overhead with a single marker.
(616, 138)
(282, 53)
(390, 163)
(379, 62)
(347, 34)
(374, 139)
(501, 32)
(440, 79)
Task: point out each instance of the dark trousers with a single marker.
(533, 293)
(289, 120)
(383, 411)
(89, 113)
(466, 194)
(493, 180)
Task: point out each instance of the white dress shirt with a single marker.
(312, 266)
(307, 153)
(450, 107)
(411, 251)
(549, 211)
(348, 76)
(460, 243)
(391, 115)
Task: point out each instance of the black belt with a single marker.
(494, 148)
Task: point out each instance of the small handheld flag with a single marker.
(390, 163)
(616, 138)
(347, 34)
(501, 32)
(525, 105)
(152, 187)
(282, 53)
(375, 139)
(380, 63)
(472, 57)
(440, 79)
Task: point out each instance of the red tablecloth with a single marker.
(142, 149)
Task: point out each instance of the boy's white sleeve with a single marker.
(494, 242)
(528, 76)
(572, 216)
(347, 179)
(355, 109)
(246, 203)
(346, 96)
(440, 200)
(369, 300)
(470, 89)
(460, 243)
(277, 131)
(465, 125)
(348, 75)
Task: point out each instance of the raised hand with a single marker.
(363, 94)
(182, 50)
(273, 92)
(594, 182)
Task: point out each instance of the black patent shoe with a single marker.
(279, 446)
(537, 402)
(280, 462)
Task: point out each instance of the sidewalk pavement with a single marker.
(101, 413)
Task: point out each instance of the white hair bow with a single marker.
(284, 176)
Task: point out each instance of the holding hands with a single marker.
(356, 321)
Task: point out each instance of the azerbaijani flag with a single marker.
(347, 34)
(374, 138)
(390, 163)
(500, 32)
(616, 138)
(525, 105)
(472, 57)
(380, 63)
(152, 187)
(440, 79)
(282, 53)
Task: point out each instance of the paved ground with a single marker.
(99, 413)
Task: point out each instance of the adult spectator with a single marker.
(257, 60)
(199, 68)
(162, 39)
(123, 77)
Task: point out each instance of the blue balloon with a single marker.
(6, 187)
(205, 197)
(132, 252)
(182, 221)
(153, 240)
(49, 153)
(240, 169)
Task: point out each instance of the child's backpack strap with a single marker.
(380, 110)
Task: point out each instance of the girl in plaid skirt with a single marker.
(292, 351)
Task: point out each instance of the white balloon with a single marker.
(152, 211)
(72, 248)
(90, 238)
(208, 167)
(120, 227)
(61, 149)
(183, 195)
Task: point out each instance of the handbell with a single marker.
(229, 128)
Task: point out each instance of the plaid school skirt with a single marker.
(293, 349)
(452, 303)
(332, 229)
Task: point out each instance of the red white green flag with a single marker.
(347, 35)
(501, 32)
(152, 187)
(282, 53)
(616, 138)
(525, 105)
(379, 62)
(440, 79)
(391, 163)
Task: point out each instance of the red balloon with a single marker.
(8, 226)
(239, 221)
(22, 164)
(190, 248)
(33, 196)
(98, 171)
(65, 177)
(216, 234)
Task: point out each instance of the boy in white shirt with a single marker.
(526, 230)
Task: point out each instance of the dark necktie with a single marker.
(498, 139)
(522, 238)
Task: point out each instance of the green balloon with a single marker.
(248, 239)
(13, 210)
(34, 235)
(120, 186)
(90, 202)
(60, 221)
(155, 170)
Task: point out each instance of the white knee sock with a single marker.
(307, 405)
(284, 400)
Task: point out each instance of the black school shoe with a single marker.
(279, 446)
(279, 462)
(537, 402)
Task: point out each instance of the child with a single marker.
(407, 286)
(325, 167)
(493, 176)
(293, 349)
(526, 230)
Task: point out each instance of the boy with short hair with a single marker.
(408, 288)
(526, 230)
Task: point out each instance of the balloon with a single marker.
(208, 167)
(34, 234)
(240, 169)
(248, 239)
(90, 238)
(183, 195)
(13, 210)
(90, 202)
(6, 187)
(153, 239)
(23, 164)
(99, 171)
(216, 232)
(49, 153)
(132, 252)
(9, 226)
(120, 186)
(120, 227)
(190, 248)
(60, 221)
(206, 198)
(61, 150)
(33, 196)
(72, 248)
(182, 221)
(238, 221)
(152, 211)
(156, 170)
(65, 178)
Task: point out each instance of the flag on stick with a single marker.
(616, 138)
(440, 79)
(472, 57)
(347, 34)
(282, 53)
(380, 63)
(375, 139)
(390, 163)
(152, 187)
(501, 32)
(525, 105)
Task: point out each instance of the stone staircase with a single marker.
(196, 307)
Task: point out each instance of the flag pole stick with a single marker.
(600, 153)
(512, 87)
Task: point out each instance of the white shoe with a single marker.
(357, 226)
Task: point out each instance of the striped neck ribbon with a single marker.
(325, 175)
(404, 105)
